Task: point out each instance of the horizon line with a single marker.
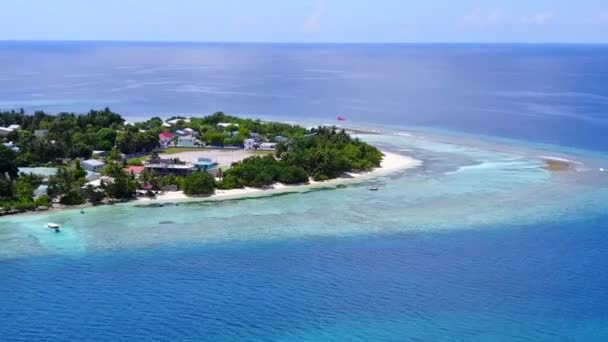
(299, 42)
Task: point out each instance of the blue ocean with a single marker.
(478, 243)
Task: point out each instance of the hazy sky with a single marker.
(308, 20)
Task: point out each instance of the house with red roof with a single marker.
(134, 170)
(165, 139)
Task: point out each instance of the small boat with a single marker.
(53, 226)
(82, 211)
(373, 188)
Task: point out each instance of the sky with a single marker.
(533, 21)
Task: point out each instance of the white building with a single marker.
(191, 132)
(14, 127)
(92, 165)
(227, 124)
(12, 146)
(250, 144)
(4, 131)
(267, 146)
(186, 141)
(176, 121)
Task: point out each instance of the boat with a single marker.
(53, 226)
(373, 188)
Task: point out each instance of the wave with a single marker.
(560, 159)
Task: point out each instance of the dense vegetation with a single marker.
(198, 183)
(17, 190)
(325, 154)
(62, 140)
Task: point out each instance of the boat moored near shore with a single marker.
(53, 226)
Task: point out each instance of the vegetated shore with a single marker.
(392, 162)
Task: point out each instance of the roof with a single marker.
(135, 169)
(93, 162)
(205, 163)
(14, 126)
(227, 124)
(41, 171)
(165, 135)
(186, 137)
(188, 129)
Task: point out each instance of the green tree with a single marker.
(7, 188)
(198, 183)
(65, 186)
(121, 185)
(8, 164)
(93, 194)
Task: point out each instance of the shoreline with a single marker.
(391, 162)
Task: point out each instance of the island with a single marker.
(67, 159)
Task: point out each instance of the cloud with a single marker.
(540, 18)
(312, 24)
(481, 17)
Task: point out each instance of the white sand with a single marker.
(391, 162)
(222, 157)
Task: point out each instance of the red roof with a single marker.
(165, 135)
(134, 169)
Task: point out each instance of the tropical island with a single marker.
(71, 159)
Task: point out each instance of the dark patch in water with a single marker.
(166, 222)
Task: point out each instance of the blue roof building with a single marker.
(205, 164)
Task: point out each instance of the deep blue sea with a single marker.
(547, 93)
(480, 243)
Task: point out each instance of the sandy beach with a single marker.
(223, 157)
(391, 162)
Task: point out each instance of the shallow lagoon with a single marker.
(480, 242)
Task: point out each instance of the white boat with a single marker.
(373, 188)
(53, 226)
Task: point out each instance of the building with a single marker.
(250, 144)
(41, 133)
(176, 121)
(99, 153)
(166, 125)
(186, 141)
(14, 127)
(192, 132)
(180, 133)
(227, 124)
(170, 167)
(92, 165)
(205, 164)
(165, 139)
(268, 146)
(280, 138)
(4, 131)
(134, 170)
(255, 136)
(12, 146)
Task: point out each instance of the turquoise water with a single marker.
(478, 243)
